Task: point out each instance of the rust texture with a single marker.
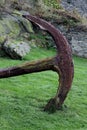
(62, 64)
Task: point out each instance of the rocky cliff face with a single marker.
(77, 37)
(79, 5)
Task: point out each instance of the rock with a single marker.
(9, 25)
(79, 5)
(2, 2)
(22, 21)
(78, 41)
(2, 40)
(13, 25)
(77, 38)
(16, 50)
(79, 48)
(76, 34)
(27, 25)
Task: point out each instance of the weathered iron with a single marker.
(62, 63)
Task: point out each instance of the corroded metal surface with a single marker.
(62, 63)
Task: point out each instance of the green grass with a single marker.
(22, 98)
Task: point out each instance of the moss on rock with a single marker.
(2, 38)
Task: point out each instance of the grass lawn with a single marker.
(22, 98)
